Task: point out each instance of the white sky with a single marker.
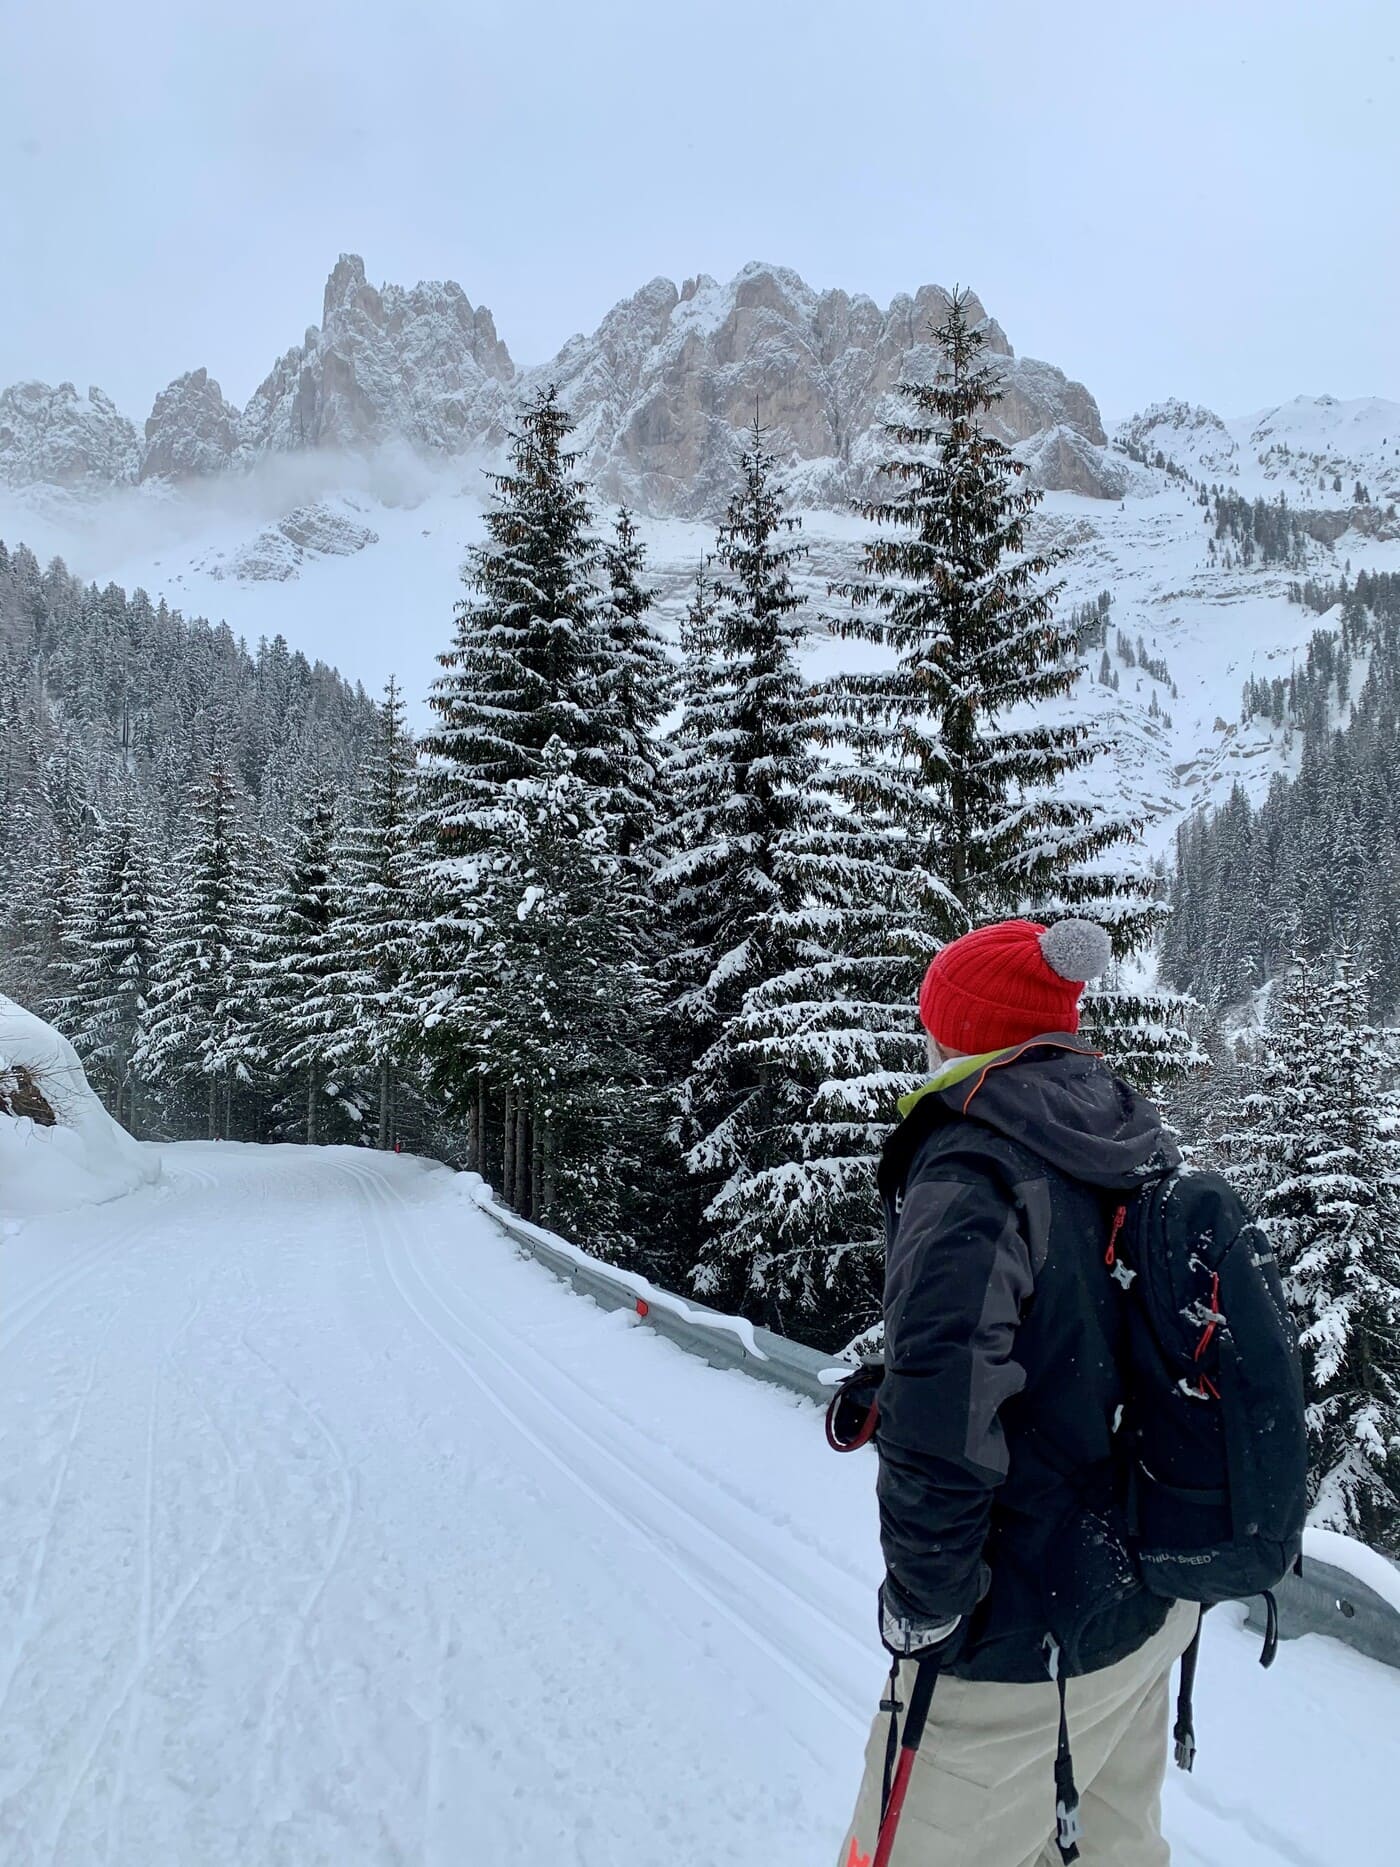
(1191, 199)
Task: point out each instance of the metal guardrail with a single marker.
(1326, 1600)
(1323, 1600)
(722, 1341)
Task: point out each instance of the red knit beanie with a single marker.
(1005, 984)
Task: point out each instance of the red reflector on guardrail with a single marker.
(643, 1307)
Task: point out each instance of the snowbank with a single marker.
(85, 1158)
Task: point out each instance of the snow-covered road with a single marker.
(334, 1533)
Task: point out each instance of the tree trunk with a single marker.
(521, 1201)
(228, 1106)
(385, 1083)
(213, 1107)
(547, 1170)
(311, 1087)
(535, 1188)
(508, 1147)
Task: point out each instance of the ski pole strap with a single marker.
(1067, 1828)
(920, 1700)
(1184, 1733)
(1270, 1653)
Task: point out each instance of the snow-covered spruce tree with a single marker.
(1314, 1147)
(376, 873)
(302, 1024)
(195, 1036)
(763, 866)
(111, 945)
(739, 857)
(528, 674)
(635, 679)
(520, 670)
(41, 888)
(561, 1000)
(951, 742)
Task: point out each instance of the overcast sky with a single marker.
(1190, 199)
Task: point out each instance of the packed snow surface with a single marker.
(337, 1533)
(85, 1158)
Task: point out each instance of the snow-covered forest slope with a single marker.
(336, 1533)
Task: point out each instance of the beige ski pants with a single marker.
(982, 1793)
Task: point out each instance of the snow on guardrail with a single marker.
(723, 1341)
(1346, 1589)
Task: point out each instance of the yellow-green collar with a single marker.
(951, 1073)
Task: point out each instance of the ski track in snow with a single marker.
(335, 1533)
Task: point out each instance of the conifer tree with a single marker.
(111, 947)
(774, 892)
(302, 1024)
(740, 856)
(1314, 1148)
(995, 801)
(562, 1002)
(634, 680)
(376, 869)
(521, 673)
(195, 1034)
(527, 694)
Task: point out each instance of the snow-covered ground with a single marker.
(335, 1533)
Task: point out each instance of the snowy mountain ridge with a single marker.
(660, 390)
(1315, 449)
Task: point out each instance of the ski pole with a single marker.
(925, 1679)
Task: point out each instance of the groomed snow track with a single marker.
(336, 1533)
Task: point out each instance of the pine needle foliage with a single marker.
(1314, 1147)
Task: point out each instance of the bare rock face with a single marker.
(1064, 460)
(191, 430)
(279, 551)
(665, 387)
(421, 366)
(56, 437)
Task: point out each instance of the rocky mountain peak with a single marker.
(56, 437)
(662, 391)
(191, 430)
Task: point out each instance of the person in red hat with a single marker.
(1005, 1365)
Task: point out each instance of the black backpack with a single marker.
(1216, 1447)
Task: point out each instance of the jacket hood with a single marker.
(1056, 1098)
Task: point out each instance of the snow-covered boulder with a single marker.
(59, 1148)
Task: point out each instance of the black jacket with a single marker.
(1004, 1350)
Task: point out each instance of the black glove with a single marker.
(914, 1637)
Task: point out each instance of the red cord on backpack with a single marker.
(1120, 1215)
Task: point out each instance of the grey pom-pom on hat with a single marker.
(1076, 950)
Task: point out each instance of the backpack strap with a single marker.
(1067, 1825)
(1270, 1653)
(1184, 1734)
